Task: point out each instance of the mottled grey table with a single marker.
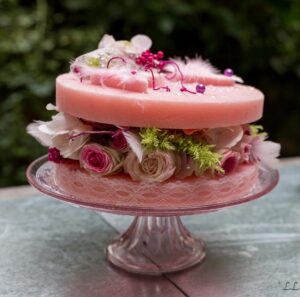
(49, 248)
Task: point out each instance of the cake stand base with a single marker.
(155, 245)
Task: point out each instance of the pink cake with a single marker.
(134, 128)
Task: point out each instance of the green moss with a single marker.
(153, 138)
(201, 153)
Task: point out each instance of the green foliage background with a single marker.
(259, 39)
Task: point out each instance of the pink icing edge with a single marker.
(218, 107)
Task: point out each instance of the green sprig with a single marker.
(201, 153)
(153, 138)
(258, 130)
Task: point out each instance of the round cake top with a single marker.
(124, 83)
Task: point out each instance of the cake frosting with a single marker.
(219, 106)
(128, 115)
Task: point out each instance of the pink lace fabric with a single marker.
(120, 190)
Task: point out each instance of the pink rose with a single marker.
(119, 142)
(230, 160)
(100, 159)
(244, 149)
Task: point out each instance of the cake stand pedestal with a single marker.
(156, 242)
(156, 245)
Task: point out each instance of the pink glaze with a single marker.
(121, 190)
(219, 106)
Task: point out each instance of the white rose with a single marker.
(156, 166)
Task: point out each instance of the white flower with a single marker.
(50, 106)
(138, 44)
(56, 133)
(224, 137)
(156, 166)
(113, 55)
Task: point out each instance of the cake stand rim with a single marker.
(143, 211)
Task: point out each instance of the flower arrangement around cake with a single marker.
(150, 154)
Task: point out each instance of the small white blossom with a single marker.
(138, 44)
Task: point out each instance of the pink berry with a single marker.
(200, 88)
(160, 54)
(228, 72)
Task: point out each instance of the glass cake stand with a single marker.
(156, 242)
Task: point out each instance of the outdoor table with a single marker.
(49, 248)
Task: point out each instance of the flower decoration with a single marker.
(138, 44)
(230, 161)
(119, 142)
(201, 153)
(244, 149)
(100, 159)
(131, 62)
(56, 133)
(54, 155)
(224, 137)
(156, 166)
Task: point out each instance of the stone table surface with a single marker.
(49, 248)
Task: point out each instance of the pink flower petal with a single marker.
(230, 161)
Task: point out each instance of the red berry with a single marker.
(160, 54)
